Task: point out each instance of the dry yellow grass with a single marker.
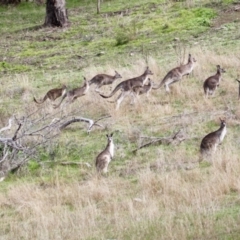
(159, 193)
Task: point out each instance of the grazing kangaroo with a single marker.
(211, 83)
(103, 79)
(52, 94)
(177, 73)
(212, 140)
(105, 157)
(128, 85)
(238, 89)
(75, 93)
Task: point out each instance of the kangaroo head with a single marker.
(86, 83)
(191, 59)
(220, 70)
(148, 71)
(109, 137)
(117, 75)
(150, 81)
(64, 86)
(223, 122)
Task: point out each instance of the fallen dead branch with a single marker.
(68, 163)
(26, 137)
(174, 139)
(82, 119)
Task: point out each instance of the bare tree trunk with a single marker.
(56, 14)
(98, 6)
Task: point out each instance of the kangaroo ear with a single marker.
(111, 134)
(107, 135)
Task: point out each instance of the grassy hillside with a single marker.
(159, 192)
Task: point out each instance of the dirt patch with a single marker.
(231, 14)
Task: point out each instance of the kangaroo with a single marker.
(75, 93)
(105, 157)
(210, 84)
(177, 73)
(212, 140)
(238, 89)
(52, 94)
(144, 89)
(128, 85)
(103, 79)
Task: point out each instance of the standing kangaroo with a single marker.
(104, 79)
(105, 157)
(177, 73)
(210, 84)
(212, 140)
(127, 86)
(52, 94)
(75, 93)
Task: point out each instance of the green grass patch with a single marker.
(13, 68)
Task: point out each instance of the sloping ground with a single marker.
(161, 192)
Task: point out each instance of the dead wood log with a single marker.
(81, 119)
(174, 139)
(69, 163)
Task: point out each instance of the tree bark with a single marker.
(56, 14)
(98, 6)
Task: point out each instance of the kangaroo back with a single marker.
(52, 94)
(74, 93)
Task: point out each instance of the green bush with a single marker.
(122, 38)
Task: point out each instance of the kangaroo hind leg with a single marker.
(120, 99)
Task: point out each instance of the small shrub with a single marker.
(122, 38)
(33, 165)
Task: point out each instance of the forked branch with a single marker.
(174, 139)
(91, 122)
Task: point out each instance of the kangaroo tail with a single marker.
(162, 82)
(113, 92)
(40, 101)
(159, 85)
